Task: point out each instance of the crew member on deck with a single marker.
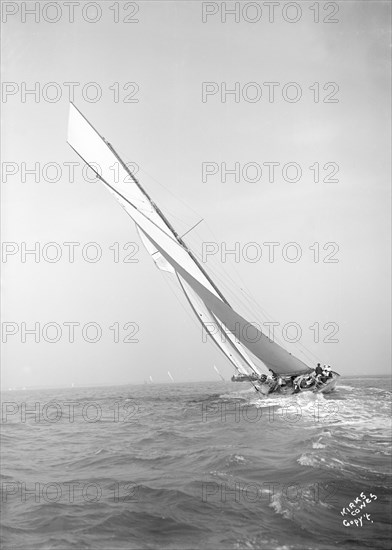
(295, 384)
(318, 371)
(325, 374)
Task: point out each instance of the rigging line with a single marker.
(276, 339)
(189, 230)
(168, 190)
(221, 277)
(249, 363)
(160, 213)
(254, 319)
(183, 221)
(137, 183)
(198, 315)
(172, 288)
(129, 202)
(177, 237)
(176, 216)
(224, 274)
(240, 278)
(168, 281)
(298, 346)
(211, 338)
(253, 304)
(258, 363)
(249, 304)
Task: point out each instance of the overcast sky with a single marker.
(341, 77)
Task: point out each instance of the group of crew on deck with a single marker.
(318, 375)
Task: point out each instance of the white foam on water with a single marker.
(318, 445)
(239, 458)
(235, 459)
(307, 460)
(276, 504)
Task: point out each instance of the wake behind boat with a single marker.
(227, 328)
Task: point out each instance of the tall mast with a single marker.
(169, 225)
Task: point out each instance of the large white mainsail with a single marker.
(227, 328)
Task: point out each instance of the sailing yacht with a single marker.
(218, 373)
(227, 328)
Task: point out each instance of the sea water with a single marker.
(199, 465)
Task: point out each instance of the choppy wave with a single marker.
(197, 466)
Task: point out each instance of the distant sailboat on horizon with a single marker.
(218, 373)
